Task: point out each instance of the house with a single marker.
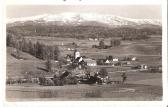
(143, 66)
(107, 62)
(79, 59)
(133, 59)
(69, 58)
(96, 39)
(90, 62)
(128, 62)
(69, 49)
(90, 39)
(93, 39)
(115, 59)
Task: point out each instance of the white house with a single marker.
(69, 49)
(115, 59)
(96, 39)
(90, 39)
(134, 59)
(90, 62)
(107, 61)
(143, 66)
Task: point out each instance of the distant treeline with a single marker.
(113, 43)
(126, 33)
(37, 49)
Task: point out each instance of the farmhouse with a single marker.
(107, 62)
(134, 59)
(90, 62)
(68, 58)
(115, 59)
(93, 39)
(143, 66)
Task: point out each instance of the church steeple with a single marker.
(76, 54)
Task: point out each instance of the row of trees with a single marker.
(113, 43)
(39, 50)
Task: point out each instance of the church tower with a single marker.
(76, 54)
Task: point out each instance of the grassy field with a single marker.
(124, 92)
(19, 68)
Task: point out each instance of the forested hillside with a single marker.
(81, 31)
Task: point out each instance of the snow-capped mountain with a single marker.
(81, 18)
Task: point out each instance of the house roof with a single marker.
(89, 60)
(78, 59)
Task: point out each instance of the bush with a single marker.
(49, 82)
(58, 82)
(71, 80)
(103, 73)
(42, 80)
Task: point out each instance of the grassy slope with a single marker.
(16, 67)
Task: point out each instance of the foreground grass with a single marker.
(83, 92)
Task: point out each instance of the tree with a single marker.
(25, 47)
(39, 50)
(48, 64)
(42, 80)
(31, 48)
(110, 57)
(9, 40)
(115, 43)
(56, 53)
(17, 49)
(101, 44)
(124, 77)
(103, 73)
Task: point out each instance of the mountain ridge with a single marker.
(82, 18)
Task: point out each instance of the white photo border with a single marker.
(162, 103)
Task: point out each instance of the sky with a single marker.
(130, 11)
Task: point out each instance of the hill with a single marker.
(84, 31)
(17, 68)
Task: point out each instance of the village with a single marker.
(76, 68)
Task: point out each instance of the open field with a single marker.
(85, 92)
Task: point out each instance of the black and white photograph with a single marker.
(84, 53)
